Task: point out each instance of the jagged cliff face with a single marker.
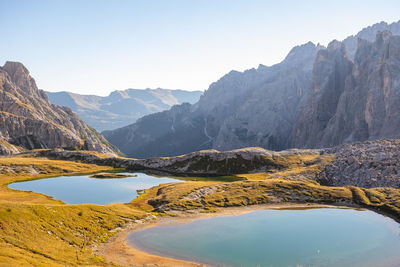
(316, 97)
(266, 117)
(330, 71)
(29, 121)
(356, 101)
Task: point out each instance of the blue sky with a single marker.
(95, 47)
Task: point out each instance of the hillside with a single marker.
(29, 121)
(123, 107)
(302, 102)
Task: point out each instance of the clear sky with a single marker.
(95, 47)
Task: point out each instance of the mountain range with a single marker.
(121, 107)
(316, 97)
(29, 121)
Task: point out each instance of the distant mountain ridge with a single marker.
(29, 121)
(121, 107)
(316, 97)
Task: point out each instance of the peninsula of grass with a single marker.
(111, 175)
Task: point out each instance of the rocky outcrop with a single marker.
(9, 149)
(28, 120)
(365, 164)
(121, 108)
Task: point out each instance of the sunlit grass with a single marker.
(37, 230)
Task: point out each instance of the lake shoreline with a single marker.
(118, 250)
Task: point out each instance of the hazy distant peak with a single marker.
(301, 49)
(381, 26)
(262, 67)
(369, 34)
(122, 107)
(335, 44)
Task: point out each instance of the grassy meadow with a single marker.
(38, 230)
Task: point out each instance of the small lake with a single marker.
(84, 189)
(313, 237)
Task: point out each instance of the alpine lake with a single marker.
(307, 237)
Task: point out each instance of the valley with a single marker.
(121, 107)
(294, 163)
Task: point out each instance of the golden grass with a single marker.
(296, 167)
(23, 105)
(190, 195)
(171, 193)
(37, 230)
(55, 235)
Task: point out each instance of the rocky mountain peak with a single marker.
(21, 77)
(335, 44)
(335, 51)
(29, 121)
(369, 34)
(15, 69)
(299, 53)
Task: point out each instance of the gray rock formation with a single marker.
(330, 71)
(317, 97)
(369, 34)
(8, 149)
(29, 121)
(266, 116)
(121, 108)
(353, 101)
(365, 164)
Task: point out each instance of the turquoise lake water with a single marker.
(83, 189)
(314, 237)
